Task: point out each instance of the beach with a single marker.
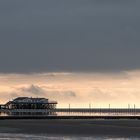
(110, 128)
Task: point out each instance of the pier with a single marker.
(74, 113)
(42, 108)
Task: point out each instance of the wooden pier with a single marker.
(79, 110)
(100, 111)
(75, 113)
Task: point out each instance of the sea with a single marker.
(10, 136)
(14, 136)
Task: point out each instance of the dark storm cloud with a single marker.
(69, 35)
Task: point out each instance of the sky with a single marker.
(72, 51)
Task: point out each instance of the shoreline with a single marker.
(107, 128)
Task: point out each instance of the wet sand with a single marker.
(113, 128)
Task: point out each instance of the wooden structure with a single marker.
(30, 106)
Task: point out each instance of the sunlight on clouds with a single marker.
(78, 89)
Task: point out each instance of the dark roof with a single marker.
(30, 99)
(20, 98)
(26, 100)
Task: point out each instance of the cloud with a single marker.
(104, 95)
(70, 94)
(39, 91)
(69, 36)
(75, 88)
(33, 89)
(61, 95)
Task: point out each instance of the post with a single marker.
(69, 108)
(109, 109)
(128, 108)
(134, 110)
(90, 108)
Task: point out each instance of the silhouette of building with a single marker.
(30, 106)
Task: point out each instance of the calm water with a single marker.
(8, 136)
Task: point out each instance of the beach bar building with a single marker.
(30, 106)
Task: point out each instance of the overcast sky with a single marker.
(69, 35)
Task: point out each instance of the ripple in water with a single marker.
(5, 136)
